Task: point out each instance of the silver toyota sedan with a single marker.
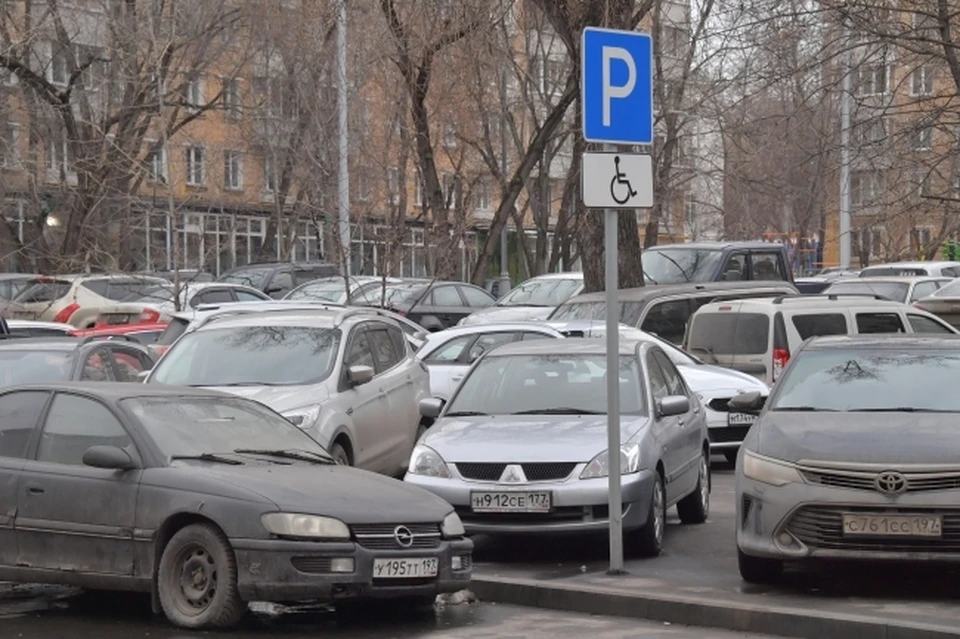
(521, 445)
(855, 455)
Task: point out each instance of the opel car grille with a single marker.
(867, 480)
(397, 536)
(719, 404)
(533, 471)
(822, 527)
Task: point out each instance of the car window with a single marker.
(475, 298)
(44, 290)
(923, 289)
(359, 353)
(449, 352)
(216, 296)
(766, 266)
(526, 336)
(446, 296)
(96, 367)
(658, 382)
(950, 271)
(729, 334)
(304, 275)
(247, 296)
(671, 375)
(921, 324)
(129, 363)
(118, 290)
(814, 324)
(145, 337)
(879, 323)
(19, 414)
(488, 342)
(73, 425)
(99, 286)
(895, 291)
(384, 349)
(281, 283)
(735, 269)
(668, 320)
(176, 328)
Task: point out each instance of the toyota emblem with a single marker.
(891, 482)
(403, 536)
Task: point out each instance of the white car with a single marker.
(534, 299)
(156, 304)
(448, 354)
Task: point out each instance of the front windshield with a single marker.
(196, 425)
(870, 380)
(250, 356)
(571, 311)
(152, 294)
(253, 277)
(545, 292)
(332, 290)
(562, 384)
(32, 367)
(680, 265)
(896, 291)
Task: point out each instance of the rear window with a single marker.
(814, 325)
(879, 323)
(44, 290)
(892, 271)
(176, 328)
(629, 312)
(730, 334)
(896, 291)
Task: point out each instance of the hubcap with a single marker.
(658, 514)
(198, 578)
(704, 483)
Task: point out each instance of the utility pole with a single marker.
(343, 185)
(504, 257)
(845, 149)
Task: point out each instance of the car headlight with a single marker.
(305, 526)
(770, 471)
(303, 418)
(428, 462)
(599, 466)
(452, 526)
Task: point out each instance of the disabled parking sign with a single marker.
(617, 180)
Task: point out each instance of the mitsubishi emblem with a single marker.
(513, 474)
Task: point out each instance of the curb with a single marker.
(701, 611)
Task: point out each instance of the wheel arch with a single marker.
(170, 527)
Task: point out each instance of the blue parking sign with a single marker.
(617, 86)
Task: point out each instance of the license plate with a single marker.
(740, 419)
(538, 502)
(113, 320)
(405, 568)
(892, 526)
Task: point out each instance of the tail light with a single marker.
(149, 316)
(780, 358)
(159, 349)
(66, 313)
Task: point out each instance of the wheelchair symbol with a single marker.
(620, 179)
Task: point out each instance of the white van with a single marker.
(757, 336)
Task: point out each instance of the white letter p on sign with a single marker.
(611, 92)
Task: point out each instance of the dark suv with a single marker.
(716, 262)
(276, 279)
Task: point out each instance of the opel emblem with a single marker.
(403, 536)
(891, 482)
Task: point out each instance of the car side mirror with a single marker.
(750, 403)
(359, 375)
(431, 407)
(673, 405)
(108, 457)
(143, 375)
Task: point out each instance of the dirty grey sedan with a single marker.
(521, 446)
(207, 501)
(854, 456)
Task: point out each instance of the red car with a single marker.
(144, 333)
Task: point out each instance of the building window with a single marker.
(871, 79)
(449, 186)
(921, 138)
(194, 91)
(269, 175)
(493, 123)
(418, 189)
(156, 163)
(393, 184)
(59, 157)
(921, 81)
(233, 170)
(482, 198)
(364, 191)
(232, 96)
(196, 171)
(59, 73)
(865, 187)
(869, 132)
(924, 187)
(450, 136)
(11, 146)
(272, 97)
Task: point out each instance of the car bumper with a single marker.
(723, 435)
(804, 522)
(578, 505)
(283, 571)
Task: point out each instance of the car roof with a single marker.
(935, 263)
(122, 329)
(824, 300)
(664, 290)
(18, 276)
(495, 327)
(720, 245)
(571, 346)
(928, 341)
(114, 391)
(320, 318)
(569, 275)
(46, 343)
(20, 323)
(905, 279)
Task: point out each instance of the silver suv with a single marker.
(345, 376)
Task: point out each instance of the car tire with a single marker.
(197, 580)
(695, 507)
(758, 570)
(731, 455)
(648, 540)
(340, 454)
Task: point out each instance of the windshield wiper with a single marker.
(209, 457)
(558, 411)
(299, 455)
(242, 384)
(804, 409)
(898, 409)
(466, 413)
(655, 282)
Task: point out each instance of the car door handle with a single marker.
(680, 421)
(457, 378)
(34, 489)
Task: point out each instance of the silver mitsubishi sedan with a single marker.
(854, 456)
(521, 445)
